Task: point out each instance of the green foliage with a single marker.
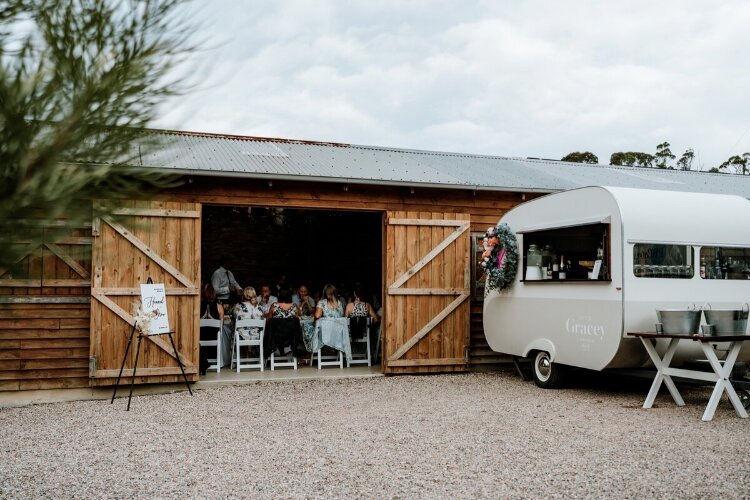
(632, 159)
(737, 164)
(663, 155)
(500, 257)
(79, 81)
(661, 159)
(581, 157)
(686, 160)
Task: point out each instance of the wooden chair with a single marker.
(240, 342)
(213, 323)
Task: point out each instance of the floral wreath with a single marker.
(500, 257)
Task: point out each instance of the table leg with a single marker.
(723, 384)
(661, 364)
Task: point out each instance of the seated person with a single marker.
(302, 298)
(284, 309)
(358, 311)
(210, 309)
(248, 309)
(266, 299)
(330, 305)
(331, 327)
(358, 308)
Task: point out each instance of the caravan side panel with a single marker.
(579, 323)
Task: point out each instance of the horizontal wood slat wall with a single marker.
(44, 346)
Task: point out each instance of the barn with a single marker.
(405, 224)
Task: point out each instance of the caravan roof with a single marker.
(679, 217)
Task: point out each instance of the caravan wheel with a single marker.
(547, 375)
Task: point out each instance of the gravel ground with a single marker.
(475, 435)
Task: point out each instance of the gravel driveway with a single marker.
(475, 435)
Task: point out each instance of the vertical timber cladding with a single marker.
(427, 306)
(155, 239)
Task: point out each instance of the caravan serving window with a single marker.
(577, 253)
(663, 261)
(725, 263)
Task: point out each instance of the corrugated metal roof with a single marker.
(209, 154)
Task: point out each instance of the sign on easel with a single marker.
(154, 300)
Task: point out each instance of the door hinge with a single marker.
(92, 366)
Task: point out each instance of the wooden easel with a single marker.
(137, 353)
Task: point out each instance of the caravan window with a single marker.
(725, 263)
(663, 261)
(577, 253)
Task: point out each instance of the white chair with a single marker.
(366, 357)
(239, 342)
(213, 323)
(290, 325)
(283, 361)
(327, 360)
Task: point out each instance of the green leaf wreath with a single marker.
(500, 257)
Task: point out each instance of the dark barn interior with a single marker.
(310, 247)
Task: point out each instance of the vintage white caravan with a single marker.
(625, 253)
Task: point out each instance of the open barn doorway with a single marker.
(289, 248)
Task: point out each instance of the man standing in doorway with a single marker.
(224, 283)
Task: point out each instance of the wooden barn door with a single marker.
(146, 239)
(426, 307)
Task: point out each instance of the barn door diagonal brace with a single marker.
(140, 245)
(161, 343)
(428, 327)
(463, 226)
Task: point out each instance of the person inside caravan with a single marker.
(224, 283)
(210, 309)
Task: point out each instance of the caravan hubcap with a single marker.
(543, 366)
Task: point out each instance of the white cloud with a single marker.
(529, 78)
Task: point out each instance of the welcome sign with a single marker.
(154, 302)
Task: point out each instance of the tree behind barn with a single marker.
(581, 157)
(737, 164)
(79, 81)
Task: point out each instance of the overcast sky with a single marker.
(511, 78)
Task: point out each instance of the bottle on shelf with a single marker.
(563, 271)
(703, 267)
(549, 271)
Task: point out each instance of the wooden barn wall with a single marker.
(485, 209)
(44, 315)
(44, 300)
